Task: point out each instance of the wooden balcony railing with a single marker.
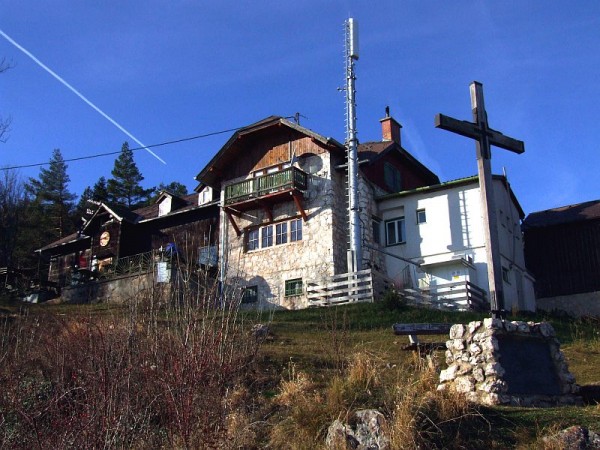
(253, 188)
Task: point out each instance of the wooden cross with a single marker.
(485, 137)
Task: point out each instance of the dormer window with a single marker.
(164, 207)
(205, 196)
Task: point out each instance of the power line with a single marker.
(98, 155)
(145, 147)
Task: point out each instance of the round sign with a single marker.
(104, 238)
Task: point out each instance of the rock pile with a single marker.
(508, 362)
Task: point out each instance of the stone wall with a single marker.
(511, 363)
(117, 290)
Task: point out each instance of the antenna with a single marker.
(355, 251)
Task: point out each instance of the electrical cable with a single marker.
(161, 144)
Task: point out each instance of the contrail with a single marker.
(78, 94)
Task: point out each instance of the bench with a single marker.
(413, 329)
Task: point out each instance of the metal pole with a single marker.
(352, 143)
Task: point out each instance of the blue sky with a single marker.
(166, 70)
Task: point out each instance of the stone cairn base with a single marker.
(499, 362)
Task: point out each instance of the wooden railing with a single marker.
(343, 288)
(458, 296)
(290, 178)
(128, 265)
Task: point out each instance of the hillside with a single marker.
(149, 375)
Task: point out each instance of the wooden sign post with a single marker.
(485, 138)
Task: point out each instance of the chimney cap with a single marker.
(390, 127)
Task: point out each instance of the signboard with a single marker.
(163, 272)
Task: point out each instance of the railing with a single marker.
(339, 289)
(453, 296)
(128, 265)
(290, 178)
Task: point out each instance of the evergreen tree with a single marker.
(100, 191)
(82, 205)
(174, 187)
(124, 188)
(52, 198)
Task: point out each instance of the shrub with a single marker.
(155, 374)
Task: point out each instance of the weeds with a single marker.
(154, 377)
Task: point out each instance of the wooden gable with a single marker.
(268, 143)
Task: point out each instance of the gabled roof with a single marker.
(563, 214)
(120, 213)
(227, 153)
(141, 215)
(374, 151)
(456, 183)
(71, 240)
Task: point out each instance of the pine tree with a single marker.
(174, 187)
(100, 191)
(124, 188)
(52, 199)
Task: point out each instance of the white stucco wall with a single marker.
(454, 231)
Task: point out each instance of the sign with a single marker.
(163, 272)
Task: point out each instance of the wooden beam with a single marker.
(233, 224)
(473, 131)
(298, 203)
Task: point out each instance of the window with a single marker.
(205, 195)
(394, 231)
(421, 216)
(293, 287)
(376, 224)
(296, 230)
(392, 178)
(506, 275)
(164, 207)
(267, 236)
(252, 243)
(262, 237)
(281, 233)
(250, 294)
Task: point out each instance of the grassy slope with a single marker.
(319, 342)
(314, 340)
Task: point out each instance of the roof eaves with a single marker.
(180, 211)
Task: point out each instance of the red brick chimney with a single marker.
(390, 129)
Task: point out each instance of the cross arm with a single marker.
(471, 130)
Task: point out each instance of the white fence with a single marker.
(340, 289)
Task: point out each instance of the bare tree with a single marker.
(12, 197)
(4, 122)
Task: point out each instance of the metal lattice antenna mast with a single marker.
(355, 252)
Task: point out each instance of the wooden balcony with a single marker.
(268, 188)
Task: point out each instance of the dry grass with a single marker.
(183, 375)
(157, 376)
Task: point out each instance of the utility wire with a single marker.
(161, 144)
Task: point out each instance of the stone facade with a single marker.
(510, 363)
(317, 255)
